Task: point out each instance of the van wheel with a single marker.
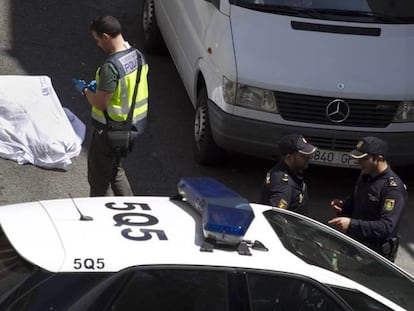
(205, 149)
(151, 35)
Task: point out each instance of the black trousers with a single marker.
(104, 169)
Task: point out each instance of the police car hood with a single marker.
(149, 230)
(271, 54)
(122, 232)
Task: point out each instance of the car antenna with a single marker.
(82, 217)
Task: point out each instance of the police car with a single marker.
(206, 248)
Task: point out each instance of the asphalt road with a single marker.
(41, 37)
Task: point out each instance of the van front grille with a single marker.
(313, 109)
(336, 144)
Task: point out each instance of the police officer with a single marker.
(284, 186)
(371, 215)
(123, 74)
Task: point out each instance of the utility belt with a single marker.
(119, 136)
(389, 248)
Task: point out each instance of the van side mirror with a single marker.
(216, 3)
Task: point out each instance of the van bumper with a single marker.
(259, 138)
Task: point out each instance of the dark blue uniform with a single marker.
(375, 210)
(285, 189)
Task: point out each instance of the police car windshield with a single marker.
(319, 246)
(396, 12)
(13, 269)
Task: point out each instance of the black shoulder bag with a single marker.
(121, 134)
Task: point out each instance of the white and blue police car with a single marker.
(206, 248)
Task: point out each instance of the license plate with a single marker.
(333, 158)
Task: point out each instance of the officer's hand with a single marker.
(80, 85)
(340, 222)
(92, 86)
(337, 205)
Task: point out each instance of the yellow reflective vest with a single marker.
(127, 63)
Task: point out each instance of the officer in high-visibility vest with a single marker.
(115, 86)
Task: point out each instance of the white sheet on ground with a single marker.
(34, 127)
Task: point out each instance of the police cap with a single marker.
(295, 143)
(369, 145)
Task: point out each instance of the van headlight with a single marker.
(405, 112)
(248, 96)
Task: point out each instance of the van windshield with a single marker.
(367, 11)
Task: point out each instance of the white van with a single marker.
(332, 70)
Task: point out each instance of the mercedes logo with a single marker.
(340, 86)
(337, 111)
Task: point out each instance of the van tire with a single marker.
(205, 149)
(150, 33)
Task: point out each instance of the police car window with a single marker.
(58, 292)
(360, 301)
(13, 269)
(275, 292)
(174, 289)
(317, 245)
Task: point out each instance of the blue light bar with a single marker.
(226, 215)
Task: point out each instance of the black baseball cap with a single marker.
(369, 145)
(295, 142)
